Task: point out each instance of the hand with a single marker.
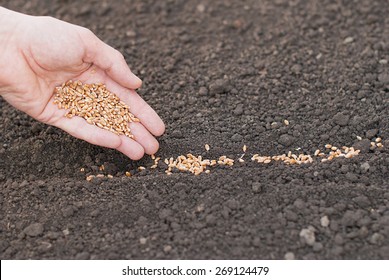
(39, 53)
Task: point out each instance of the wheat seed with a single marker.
(96, 104)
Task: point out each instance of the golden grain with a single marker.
(89, 178)
(97, 105)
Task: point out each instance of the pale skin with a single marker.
(39, 53)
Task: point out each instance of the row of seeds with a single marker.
(197, 164)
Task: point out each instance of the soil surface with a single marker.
(224, 73)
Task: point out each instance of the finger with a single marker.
(148, 117)
(131, 148)
(143, 137)
(79, 128)
(110, 60)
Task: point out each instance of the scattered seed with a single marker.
(286, 122)
(197, 164)
(359, 138)
(90, 177)
(379, 145)
(207, 147)
(378, 139)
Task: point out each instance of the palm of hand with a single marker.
(65, 52)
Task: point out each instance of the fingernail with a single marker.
(136, 79)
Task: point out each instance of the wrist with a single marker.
(9, 22)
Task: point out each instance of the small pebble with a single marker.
(256, 187)
(308, 235)
(348, 40)
(365, 167)
(34, 229)
(341, 119)
(324, 221)
(376, 238)
(286, 140)
(167, 248)
(289, 256)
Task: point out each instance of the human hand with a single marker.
(39, 53)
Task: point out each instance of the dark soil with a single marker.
(226, 73)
